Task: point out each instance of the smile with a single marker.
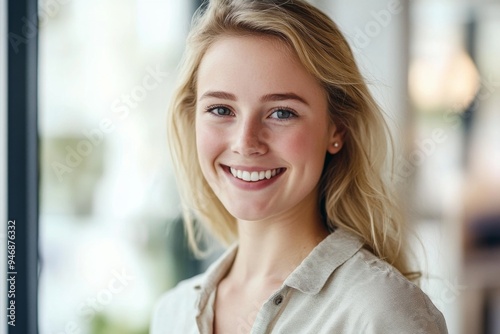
(255, 176)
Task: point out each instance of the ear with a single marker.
(336, 139)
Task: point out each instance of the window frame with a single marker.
(22, 159)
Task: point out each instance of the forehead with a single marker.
(255, 64)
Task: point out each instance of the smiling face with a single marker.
(262, 128)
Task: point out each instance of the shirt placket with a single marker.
(270, 311)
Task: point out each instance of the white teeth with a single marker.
(254, 176)
(245, 176)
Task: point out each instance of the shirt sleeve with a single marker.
(403, 309)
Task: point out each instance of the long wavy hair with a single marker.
(353, 192)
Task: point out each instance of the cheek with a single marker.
(306, 146)
(207, 145)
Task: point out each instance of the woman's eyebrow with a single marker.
(266, 98)
(284, 97)
(219, 95)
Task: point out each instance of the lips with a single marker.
(255, 176)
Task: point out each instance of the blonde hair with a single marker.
(353, 192)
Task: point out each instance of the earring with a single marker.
(335, 144)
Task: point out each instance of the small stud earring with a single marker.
(335, 144)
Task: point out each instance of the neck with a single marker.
(270, 250)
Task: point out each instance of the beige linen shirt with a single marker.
(340, 287)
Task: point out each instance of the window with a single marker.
(107, 195)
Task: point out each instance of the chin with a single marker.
(248, 214)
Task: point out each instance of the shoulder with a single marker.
(385, 300)
(175, 305)
(177, 309)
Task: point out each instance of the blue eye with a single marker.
(283, 114)
(219, 111)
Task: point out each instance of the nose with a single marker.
(250, 138)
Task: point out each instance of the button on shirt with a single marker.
(340, 287)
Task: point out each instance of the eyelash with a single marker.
(293, 114)
(211, 109)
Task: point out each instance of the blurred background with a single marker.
(111, 241)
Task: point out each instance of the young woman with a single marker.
(279, 149)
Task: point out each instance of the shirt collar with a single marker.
(311, 275)
(206, 288)
(214, 274)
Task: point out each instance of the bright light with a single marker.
(450, 80)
